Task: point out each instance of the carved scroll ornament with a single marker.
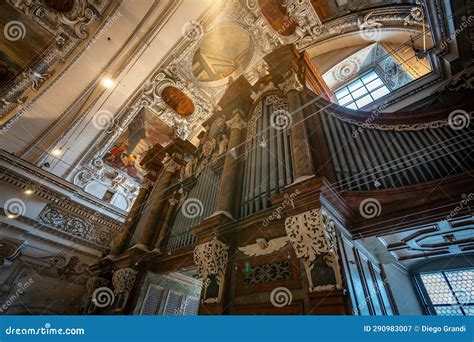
(211, 258)
(313, 235)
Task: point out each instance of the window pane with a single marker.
(438, 289)
(359, 92)
(448, 311)
(380, 92)
(362, 91)
(364, 101)
(462, 283)
(355, 85)
(469, 310)
(375, 84)
(341, 93)
(345, 100)
(450, 292)
(352, 106)
(369, 77)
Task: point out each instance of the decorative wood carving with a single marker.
(211, 259)
(263, 247)
(313, 235)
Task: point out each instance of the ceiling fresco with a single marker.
(143, 132)
(221, 53)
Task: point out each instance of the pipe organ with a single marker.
(267, 159)
(257, 205)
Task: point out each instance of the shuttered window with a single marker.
(152, 301)
(191, 306)
(173, 304)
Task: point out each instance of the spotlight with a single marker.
(107, 82)
(28, 191)
(56, 152)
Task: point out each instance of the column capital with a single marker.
(292, 82)
(236, 121)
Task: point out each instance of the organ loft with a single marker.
(237, 157)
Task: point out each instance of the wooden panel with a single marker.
(327, 303)
(291, 283)
(370, 286)
(354, 278)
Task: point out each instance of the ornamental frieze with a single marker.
(60, 220)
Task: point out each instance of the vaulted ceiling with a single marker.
(92, 69)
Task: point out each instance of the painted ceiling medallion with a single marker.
(223, 53)
(177, 100)
(279, 20)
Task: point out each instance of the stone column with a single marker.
(313, 237)
(301, 152)
(211, 259)
(227, 190)
(120, 241)
(123, 280)
(156, 203)
(167, 222)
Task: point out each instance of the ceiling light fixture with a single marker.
(28, 191)
(56, 152)
(107, 82)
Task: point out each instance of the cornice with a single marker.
(19, 173)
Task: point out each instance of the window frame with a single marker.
(425, 298)
(368, 92)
